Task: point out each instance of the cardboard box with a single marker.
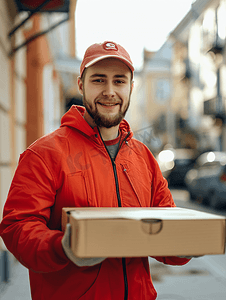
(132, 232)
(65, 218)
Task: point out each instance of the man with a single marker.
(91, 160)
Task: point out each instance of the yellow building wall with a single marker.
(181, 83)
(12, 99)
(154, 107)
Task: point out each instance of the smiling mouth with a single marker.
(108, 104)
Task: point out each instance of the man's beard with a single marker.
(102, 120)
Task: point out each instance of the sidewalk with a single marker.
(202, 278)
(18, 288)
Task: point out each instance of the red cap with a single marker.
(97, 52)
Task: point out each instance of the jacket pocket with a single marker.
(136, 187)
(76, 190)
(99, 288)
(139, 279)
(109, 283)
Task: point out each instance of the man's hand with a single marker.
(80, 262)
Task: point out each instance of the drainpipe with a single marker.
(38, 55)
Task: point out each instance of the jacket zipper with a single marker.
(116, 181)
(120, 205)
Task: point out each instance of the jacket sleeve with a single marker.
(172, 260)
(162, 197)
(26, 214)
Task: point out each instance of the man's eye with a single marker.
(98, 80)
(119, 81)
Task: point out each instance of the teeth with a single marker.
(107, 104)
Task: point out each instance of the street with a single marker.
(202, 278)
(182, 199)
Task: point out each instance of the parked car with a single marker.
(175, 163)
(206, 182)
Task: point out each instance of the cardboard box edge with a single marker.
(65, 216)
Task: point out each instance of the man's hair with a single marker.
(83, 76)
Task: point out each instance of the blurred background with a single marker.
(177, 106)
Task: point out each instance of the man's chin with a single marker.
(104, 120)
(109, 122)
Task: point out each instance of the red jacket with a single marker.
(71, 167)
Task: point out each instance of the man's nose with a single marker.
(109, 90)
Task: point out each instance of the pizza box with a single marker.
(140, 232)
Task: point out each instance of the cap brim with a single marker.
(127, 62)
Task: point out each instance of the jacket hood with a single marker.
(74, 118)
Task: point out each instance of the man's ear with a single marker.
(132, 85)
(80, 85)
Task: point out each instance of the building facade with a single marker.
(199, 58)
(38, 68)
(184, 81)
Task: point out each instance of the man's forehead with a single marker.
(109, 66)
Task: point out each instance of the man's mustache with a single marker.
(108, 101)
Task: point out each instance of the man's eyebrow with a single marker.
(121, 76)
(98, 75)
(105, 76)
